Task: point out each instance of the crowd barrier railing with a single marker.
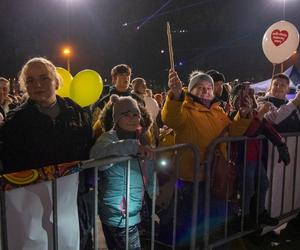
(52, 174)
(283, 182)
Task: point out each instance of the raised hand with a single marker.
(263, 109)
(175, 84)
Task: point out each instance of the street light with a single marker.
(67, 54)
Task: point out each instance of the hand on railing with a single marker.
(284, 155)
(145, 152)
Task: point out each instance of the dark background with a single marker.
(218, 34)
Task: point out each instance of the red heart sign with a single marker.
(279, 37)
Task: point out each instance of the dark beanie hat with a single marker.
(216, 75)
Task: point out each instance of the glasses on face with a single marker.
(130, 113)
(41, 80)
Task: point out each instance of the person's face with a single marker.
(4, 89)
(122, 81)
(141, 88)
(203, 90)
(41, 84)
(159, 99)
(129, 122)
(279, 88)
(218, 88)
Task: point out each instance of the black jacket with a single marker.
(32, 139)
(101, 102)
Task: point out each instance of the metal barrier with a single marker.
(103, 163)
(289, 202)
(283, 181)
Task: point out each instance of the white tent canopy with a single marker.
(264, 85)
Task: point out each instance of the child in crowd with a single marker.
(127, 137)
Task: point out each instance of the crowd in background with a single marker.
(40, 128)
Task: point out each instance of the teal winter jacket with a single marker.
(112, 180)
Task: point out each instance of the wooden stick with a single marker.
(171, 54)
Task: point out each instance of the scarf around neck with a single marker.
(202, 101)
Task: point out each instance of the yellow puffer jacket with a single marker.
(194, 123)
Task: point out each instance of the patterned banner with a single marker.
(33, 176)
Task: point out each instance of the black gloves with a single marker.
(284, 155)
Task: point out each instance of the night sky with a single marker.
(218, 34)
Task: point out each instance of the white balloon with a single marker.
(280, 41)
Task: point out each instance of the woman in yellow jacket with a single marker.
(196, 118)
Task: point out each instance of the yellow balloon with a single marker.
(86, 87)
(66, 77)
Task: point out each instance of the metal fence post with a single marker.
(207, 203)
(153, 210)
(195, 203)
(295, 171)
(127, 203)
(244, 185)
(54, 209)
(3, 225)
(96, 236)
(175, 201)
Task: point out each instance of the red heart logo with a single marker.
(279, 37)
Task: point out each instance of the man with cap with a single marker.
(196, 117)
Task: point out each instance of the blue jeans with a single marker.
(116, 237)
(251, 181)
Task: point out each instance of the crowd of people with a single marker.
(41, 128)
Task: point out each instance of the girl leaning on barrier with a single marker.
(127, 137)
(197, 118)
(45, 130)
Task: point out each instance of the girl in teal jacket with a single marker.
(123, 140)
